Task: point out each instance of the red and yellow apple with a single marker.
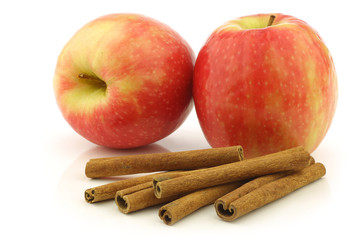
(125, 80)
(265, 85)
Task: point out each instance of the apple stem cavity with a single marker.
(93, 80)
(271, 20)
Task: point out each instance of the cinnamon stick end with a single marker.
(241, 153)
(90, 195)
(165, 216)
(224, 213)
(159, 179)
(122, 204)
(88, 170)
(157, 190)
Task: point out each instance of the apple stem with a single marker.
(271, 20)
(93, 80)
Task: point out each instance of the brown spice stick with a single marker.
(123, 165)
(138, 197)
(108, 191)
(291, 159)
(222, 204)
(271, 192)
(181, 207)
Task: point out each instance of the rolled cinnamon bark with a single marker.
(291, 159)
(181, 207)
(145, 163)
(224, 201)
(270, 192)
(138, 197)
(108, 191)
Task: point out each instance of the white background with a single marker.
(43, 159)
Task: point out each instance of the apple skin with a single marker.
(267, 88)
(124, 81)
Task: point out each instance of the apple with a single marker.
(266, 82)
(124, 81)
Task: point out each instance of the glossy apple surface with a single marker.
(267, 88)
(124, 80)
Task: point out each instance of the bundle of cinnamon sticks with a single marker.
(186, 181)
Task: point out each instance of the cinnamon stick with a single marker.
(108, 191)
(291, 159)
(138, 197)
(270, 192)
(182, 207)
(222, 204)
(144, 163)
